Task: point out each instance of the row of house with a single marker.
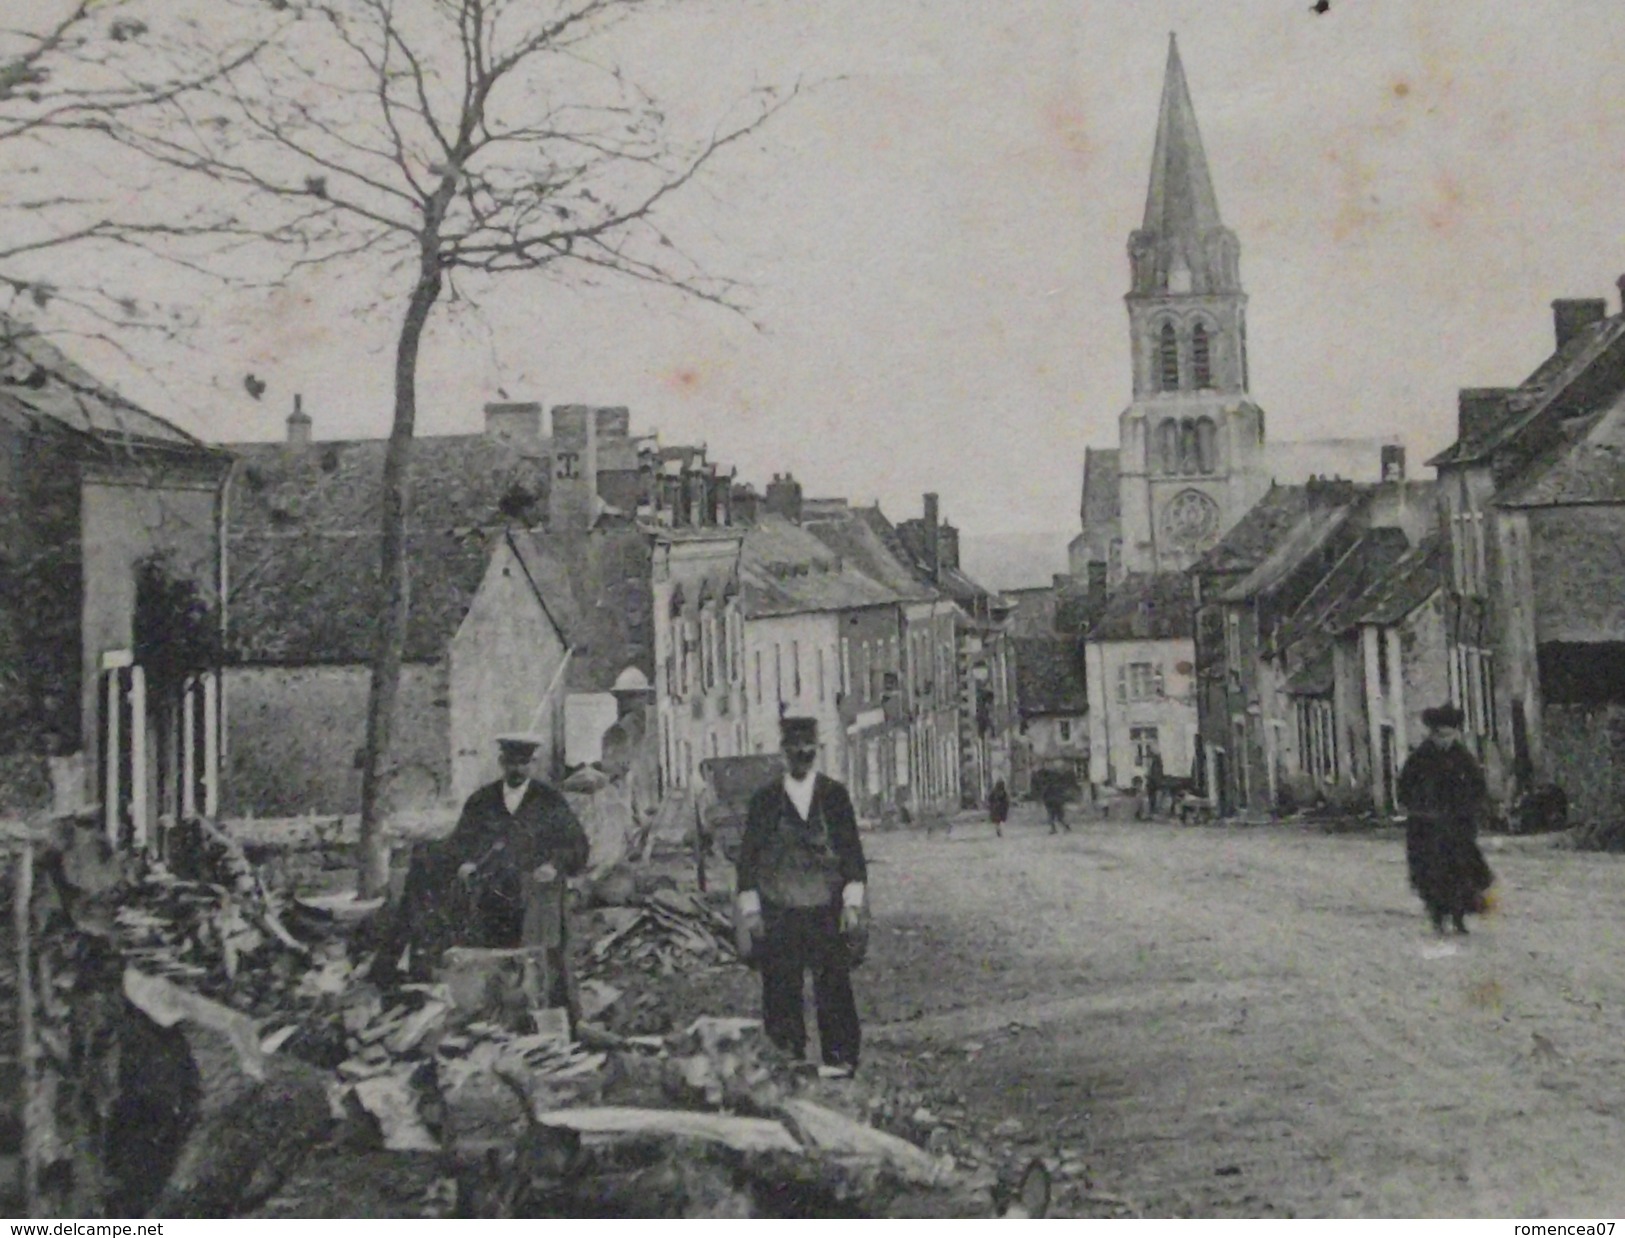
(1291, 662)
(188, 628)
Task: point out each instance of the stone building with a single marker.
(110, 585)
(1533, 523)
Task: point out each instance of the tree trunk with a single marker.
(393, 584)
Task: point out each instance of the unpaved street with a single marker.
(1256, 1022)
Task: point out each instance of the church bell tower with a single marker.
(1191, 442)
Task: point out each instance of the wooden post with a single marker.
(27, 1045)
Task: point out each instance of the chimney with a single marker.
(572, 497)
(1479, 410)
(299, 424)
(1096, 589)
(783, 497)
(746, 504)
(520, 423)
(933, 540)
(1325, 493)
(1572, 315)
(1393, 462)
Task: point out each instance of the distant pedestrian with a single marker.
(802, 884)
(998, 806)
(1054, 797)
(1442, 789)
(1154, 780)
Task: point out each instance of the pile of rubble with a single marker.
(659, 933)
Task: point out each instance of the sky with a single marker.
(933, 242)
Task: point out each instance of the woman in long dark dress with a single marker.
(1442, 789)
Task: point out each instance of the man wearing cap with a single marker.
(516, 838)
(801, 901)
(1442, 789)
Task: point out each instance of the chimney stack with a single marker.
(519, 423)
(1572, 315)
(783, 497)
(1393, 462)
(299, 424)
(933, 541)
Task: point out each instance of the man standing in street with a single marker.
(497, 880)
(801, 901)
(1442, 789)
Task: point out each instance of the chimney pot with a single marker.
(298, 424)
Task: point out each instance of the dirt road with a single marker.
(1257, 1022)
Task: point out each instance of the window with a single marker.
(795, 667)
(1168, 446)
(1232, 642)
(1144, 681)
(1207, 455)
(846, 666)
(1201, 357)
(1168, 358)
(820, 674)
(778, 674)
(1066, 730)
(1384, 672)
(758, 676)
(1188, 458)
(1144, 739)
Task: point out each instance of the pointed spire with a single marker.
(1180, 203)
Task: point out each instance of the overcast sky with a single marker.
(935, 243)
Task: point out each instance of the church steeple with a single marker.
(1182, 246)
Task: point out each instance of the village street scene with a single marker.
(576, 641)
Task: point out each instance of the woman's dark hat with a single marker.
(1442, 716)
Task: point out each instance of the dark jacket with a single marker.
(505, 847)
(1442, 784)
(781, 856)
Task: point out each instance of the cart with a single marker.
(720, 812)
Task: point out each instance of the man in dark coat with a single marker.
(516, 837)
(802, 886)
(1442, 789)
(998, 806)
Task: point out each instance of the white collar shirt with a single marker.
(800, 791)
(514, 796)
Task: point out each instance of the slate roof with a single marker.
(870, 543)
(1101, 501)
(1256, 534)
(1342, 590)
(40, 383)
(458, 482)
(1307, 535)
(1558, 380)
(1589, 468)
(1179, 202)
(1416, 577)
(1049, 676)
(1147, 606)
(303, 541)
(785, 569)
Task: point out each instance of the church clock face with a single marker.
(1190, 521)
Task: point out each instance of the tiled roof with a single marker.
(313, 596)
(786, 570)
(870, 542)
(38, 382)
(1257, 533)
(1049, 675)
(1566, 368)
(1306, 536)
(1589, 468)
(550, 577)
(458, 482)
(1342, 590)
(1101, 502)
(1147, 606)
(1412, 581)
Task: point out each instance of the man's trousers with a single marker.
(795, 942)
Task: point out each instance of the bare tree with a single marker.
(443, 142)
(68, 70)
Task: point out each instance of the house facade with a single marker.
(110, 614)
(1139, 671)
(1053, 701)
(1521, 578)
